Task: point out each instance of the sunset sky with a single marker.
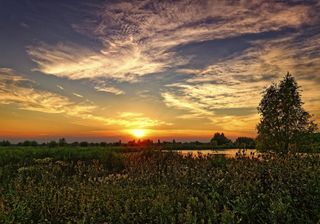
(98, 70)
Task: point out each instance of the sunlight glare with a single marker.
(138, 133)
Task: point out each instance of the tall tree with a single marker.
(245, 142)
(283, 121)
(220, 139)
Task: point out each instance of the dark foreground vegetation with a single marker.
(90, 185)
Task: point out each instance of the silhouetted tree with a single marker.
(33, 143)
(213, 142)
(132, 143)
(52, 144)
(118, 143)
(220, 139)
(29, 143)
(84, 144)
(5, 143)
(25, 143)
(75, 144)
(245, 142)
(103, 144)
(283, 121)
(62, 142)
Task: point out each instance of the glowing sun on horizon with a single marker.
(138, 133)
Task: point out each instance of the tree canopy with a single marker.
(283, 121)
(245, 143)
(220, 139)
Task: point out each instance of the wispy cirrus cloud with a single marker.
(14, 89)
(199, 107)
(78, 62)
(129, 114)
(77, 95)
(103, 86)
(60, 87)
(132, 120)
(26, 94)
(109, 89)
(138, 37)
(235, 82)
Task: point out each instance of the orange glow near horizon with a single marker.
(124, 135)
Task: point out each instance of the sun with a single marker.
(138, 133)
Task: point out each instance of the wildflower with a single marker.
(43, 161)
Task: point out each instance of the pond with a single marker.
(229, 153)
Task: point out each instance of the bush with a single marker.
(92, 185)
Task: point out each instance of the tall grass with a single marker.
(25, 155)
(155, 187)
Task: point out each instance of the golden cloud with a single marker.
(15, 89)
(236, 82)
(138, 36)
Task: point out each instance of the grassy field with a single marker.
(108, 185)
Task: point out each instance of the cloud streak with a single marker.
(138, 37)
(103, 86)
(25, 93)
(14, 89)
(235, 82)
(77, 95)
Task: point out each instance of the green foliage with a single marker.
(245, 143)
(311, 143)
(84, 144)
(28, 143)
(155, 187)
(62, 142)
(52, 144)
(284, 123)
(24, 155)
(220, 139)
(5, 143)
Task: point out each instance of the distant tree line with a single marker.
(311, 143)
(5, 143)
(220, 140)
(60, 143)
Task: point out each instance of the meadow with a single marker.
(121, 185)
